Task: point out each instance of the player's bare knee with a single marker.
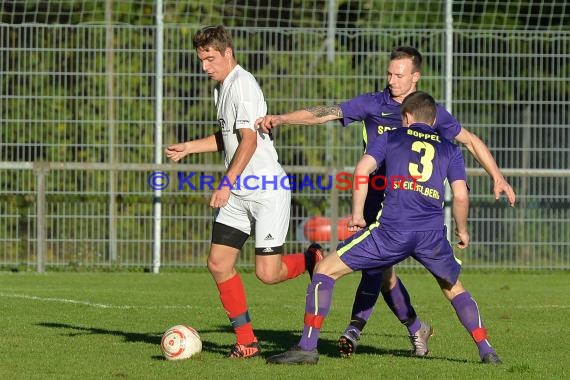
(320, 268)
(450, 291)
(213, 267)
(269, 264)
(267, 276)
(330, 268)
(456, 290)
(389, 280)
(217, 267)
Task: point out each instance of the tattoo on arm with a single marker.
(320, 111)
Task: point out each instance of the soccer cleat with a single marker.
(348, 342)
(491, 358)
(244, 350)
(313, 255)
(295, 355)
(420, 339)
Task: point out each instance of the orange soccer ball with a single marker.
(318, 229)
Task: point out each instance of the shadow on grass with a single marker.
(133, 337)
(276, 341)
(72, 330)
(272, 341)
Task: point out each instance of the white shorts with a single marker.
(267, 213)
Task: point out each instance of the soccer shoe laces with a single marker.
(420, 339)
(244, 350)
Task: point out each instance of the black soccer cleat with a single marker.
(491, 358)
(295, 355)
(313, 255)
(347, 343)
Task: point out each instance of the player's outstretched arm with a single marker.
(212, 143)
(482, 154)
(308, 116)
(460, 211)
(365, 166)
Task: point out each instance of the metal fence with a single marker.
(80, 135)
(47, 226)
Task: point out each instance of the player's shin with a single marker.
(232, 295)
(364, 300)
(468, 314)
(319, 296)
(398, 300)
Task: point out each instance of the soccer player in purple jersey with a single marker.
(418, 162)
(380, 112)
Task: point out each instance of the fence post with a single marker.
(110, 94)
(334, 213)
(448, 97)
(159, 52)
(41, 169)
(331, 30)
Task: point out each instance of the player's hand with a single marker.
(502, 186)
(220, 197)
(463, 237)
(177, 152)
(356, 223)
(268, 122)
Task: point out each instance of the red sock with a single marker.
(295, 264)
(232, 295)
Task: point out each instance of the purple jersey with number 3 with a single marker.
(418, 162)
(379, 113)
(411, 224)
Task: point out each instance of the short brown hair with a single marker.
(215, 36)
(421, 106)
(408, 52)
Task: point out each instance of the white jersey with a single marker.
(240, 101)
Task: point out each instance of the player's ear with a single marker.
(407, 119)
(416, 76)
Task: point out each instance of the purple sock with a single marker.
(365, 299)
(398, 300)
(414, 326)
(468, 313)
(318, 303)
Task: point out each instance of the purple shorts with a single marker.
(377, 248)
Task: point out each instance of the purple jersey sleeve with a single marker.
(445, 124)
(456, 169)
(358, 108)
(375, 112)
(378, 149)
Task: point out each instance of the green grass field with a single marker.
(109, 325)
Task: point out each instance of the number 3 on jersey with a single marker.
(425, 160)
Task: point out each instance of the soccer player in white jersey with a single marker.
(264, 204)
